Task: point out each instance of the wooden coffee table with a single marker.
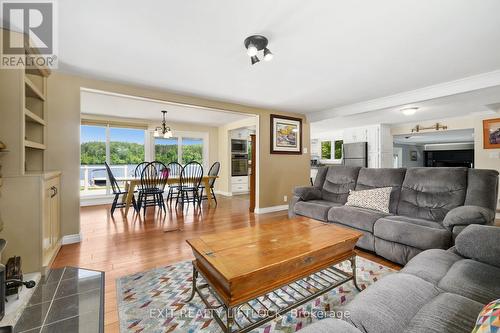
(255, 274)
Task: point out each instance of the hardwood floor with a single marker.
(126, 245)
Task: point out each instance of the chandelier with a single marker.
(164, 130)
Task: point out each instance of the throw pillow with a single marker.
(376, 199)
(488, 320)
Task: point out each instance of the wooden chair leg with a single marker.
(213, 195)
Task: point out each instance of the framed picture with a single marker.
(413, 155)
(286, 135)
(491, 133)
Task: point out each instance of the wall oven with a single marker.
(239, 165)
(239, 146)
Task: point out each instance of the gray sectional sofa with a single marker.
(428, 207)
(437, 291)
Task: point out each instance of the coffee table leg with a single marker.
(354, 274)
(230, 319)
(193, 291)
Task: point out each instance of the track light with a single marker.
(268, 55)
(257, 43)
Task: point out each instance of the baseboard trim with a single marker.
(96, 201)
(271, 209)
(71, 239)
(224, 193)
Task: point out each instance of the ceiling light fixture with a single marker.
(256, 43)
(409, 111)
(164, 130)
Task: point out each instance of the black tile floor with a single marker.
(69, 299)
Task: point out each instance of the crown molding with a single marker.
(471, 83)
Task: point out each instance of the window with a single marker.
(192, 150)
(338, 149)
(326, 150)
(122, 148)
(166, 150)
(92, 158)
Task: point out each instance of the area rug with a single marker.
(153, 301)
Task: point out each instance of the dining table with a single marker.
(132, 182)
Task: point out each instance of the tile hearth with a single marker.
(69, 299)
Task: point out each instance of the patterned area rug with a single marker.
(153, 301)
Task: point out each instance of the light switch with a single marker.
(304, 150)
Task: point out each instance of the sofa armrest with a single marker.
(465, 215)
(307, 192)
(481, 243)
(330, 325)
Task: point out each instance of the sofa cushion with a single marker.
(367, 241)
(472, 279)
(395, 252)
(390, 304)
(430, 193)
(339, 180)
(369, 178)
(480, 242)
(446, 313)
(419, 233)
(359, 218)
(431, 265)
(376, 199)
(330, 325)
(316, 209)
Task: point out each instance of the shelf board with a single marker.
(34, 145)
(33, 90)
(34, 118)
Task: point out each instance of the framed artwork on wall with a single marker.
(286, 135)
(491, 133)
(413, 155)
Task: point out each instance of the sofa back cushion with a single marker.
(429, 193)
(376, 178)
(482, 188)
(339, 180)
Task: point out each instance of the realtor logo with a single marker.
(28, 34)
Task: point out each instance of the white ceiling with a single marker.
(328, 53)
(113, 105)
(478, 101)
(454, 136)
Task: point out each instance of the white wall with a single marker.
(406, 158)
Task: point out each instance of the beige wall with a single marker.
(482, 158)
(277, 176)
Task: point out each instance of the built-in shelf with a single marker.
(34, 145)
(32, 90)
(33, 117)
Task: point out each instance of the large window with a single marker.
(192, 150)
(166, 150)
(122, 148)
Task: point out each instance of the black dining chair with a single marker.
(175, 170)
(154, 177)
(190, 180)
(214, 172)
(117, 191)
(139, 168)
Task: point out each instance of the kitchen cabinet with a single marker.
(31, 214)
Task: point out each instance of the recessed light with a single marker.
(409, 111)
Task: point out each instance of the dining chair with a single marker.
(175, 170)
(190, 180)
(117, 191)
(154, 177)
(213, 171)
(139, 168)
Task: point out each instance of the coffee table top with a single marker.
(240, 252)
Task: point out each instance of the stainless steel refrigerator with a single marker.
(355, 154)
